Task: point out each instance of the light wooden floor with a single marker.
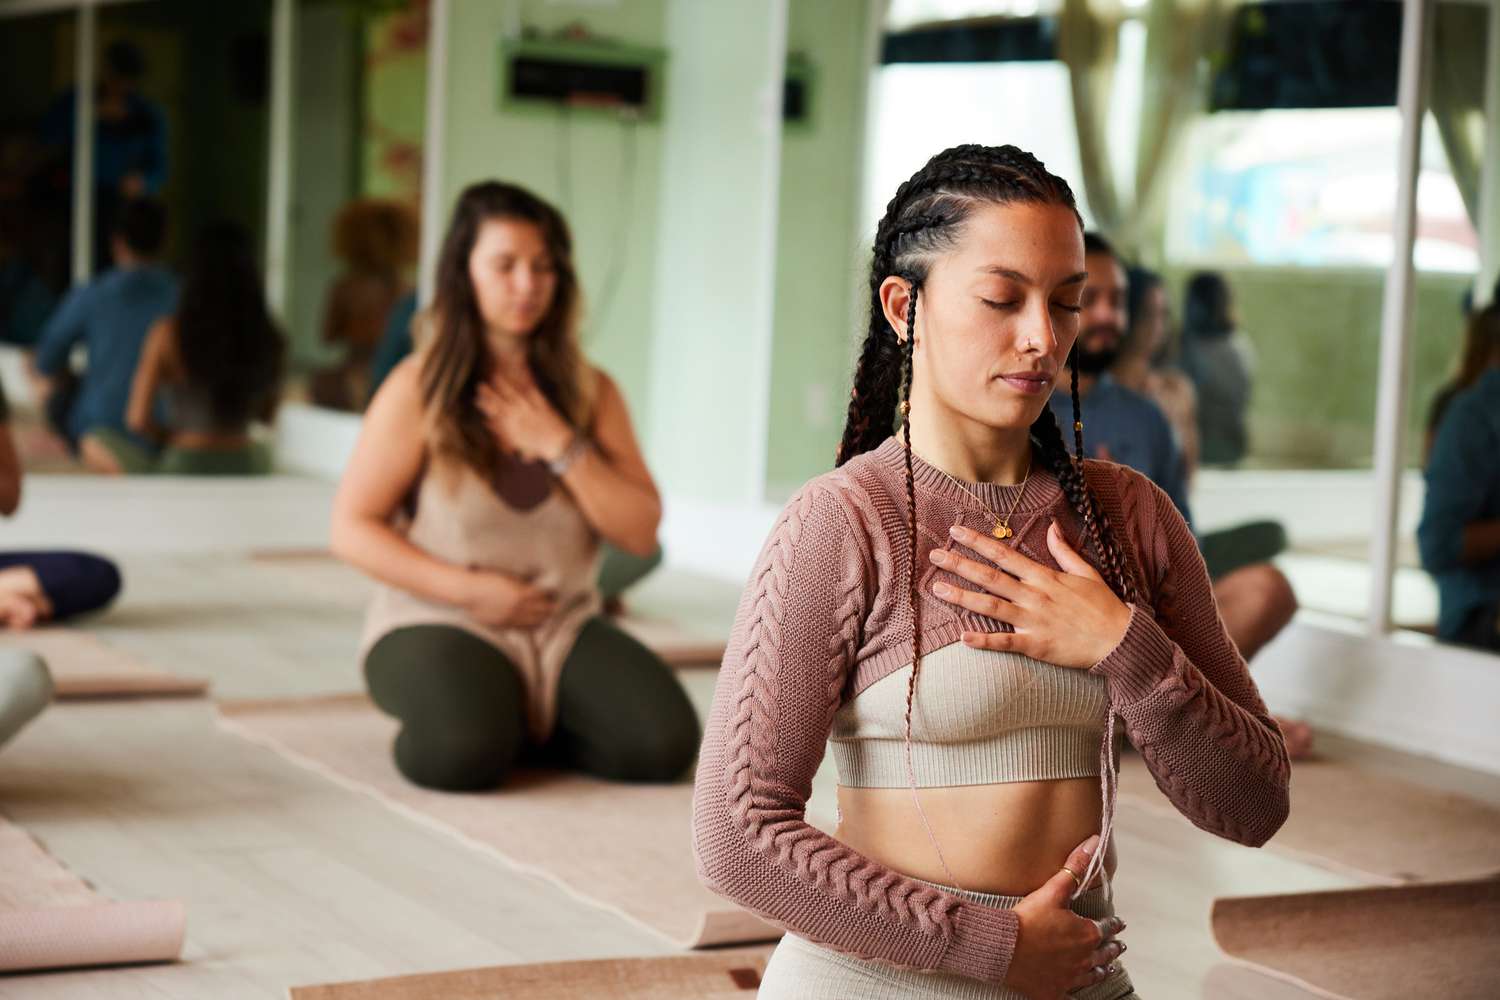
(292, 880)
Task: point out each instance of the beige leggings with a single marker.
(801, 970)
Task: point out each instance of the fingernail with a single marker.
(940, 589)
(958, 531)
(1090, 844)
(1123, 947)
(939, 556)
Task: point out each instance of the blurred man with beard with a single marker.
(1255, 599)
(1120, 424)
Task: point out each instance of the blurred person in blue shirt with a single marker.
(109, 317)
(1459, 534)
(1255, 599)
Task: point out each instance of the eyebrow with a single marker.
(1005, 272)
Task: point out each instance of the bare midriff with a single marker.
(1006, 839)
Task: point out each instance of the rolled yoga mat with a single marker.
(620, 847)
(1362, 823)
(51, 919)
(718, 975)
(1371, 944)
(84, 666)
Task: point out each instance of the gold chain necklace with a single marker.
(1002, 525)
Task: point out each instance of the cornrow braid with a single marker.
(908, 368)
(1078, 451)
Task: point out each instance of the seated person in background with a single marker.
(489, 467)
(37, 587)
(1221, 363)
(1459, 534)
(1255, 599)
(1481, 342)
(213, 368)
(111, 316)
(1125, 426)
(618, 569)
(1147, 362)
(377, 242)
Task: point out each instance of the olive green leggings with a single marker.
(621, 714)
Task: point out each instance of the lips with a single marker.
(1030, 382)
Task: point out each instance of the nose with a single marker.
(1038, 331)
(523, 280)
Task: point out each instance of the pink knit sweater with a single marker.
(825, 614)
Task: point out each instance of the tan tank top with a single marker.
(539, 535)
(980, 717)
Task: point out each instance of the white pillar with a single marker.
(434, 216)
(279, 182)
(83, 144)
(1396, 317)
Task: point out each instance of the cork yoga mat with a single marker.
(1386, 943)
(84, 666)
(719, 975)
(1362, 823)
(623, 848)
(51, 919)
(318, 574)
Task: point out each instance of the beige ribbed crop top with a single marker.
(979, 717)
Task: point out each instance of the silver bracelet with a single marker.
(560, 465)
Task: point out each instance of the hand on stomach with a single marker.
(1006, 839)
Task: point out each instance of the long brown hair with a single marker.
(455, 358)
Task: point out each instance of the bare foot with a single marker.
(17, 612)
(1298, 736)
(23, 602)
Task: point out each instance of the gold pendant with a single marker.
(1001, 531)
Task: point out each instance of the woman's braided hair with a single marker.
(924, 219)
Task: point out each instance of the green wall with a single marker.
(715, 250)
(820, 255)
(1317, 341)
(574, 159)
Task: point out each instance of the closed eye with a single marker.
(999, 305)
(1067, 308)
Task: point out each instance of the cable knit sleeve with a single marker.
(795, 636)
(1185, 694)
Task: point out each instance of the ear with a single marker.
(895, 296)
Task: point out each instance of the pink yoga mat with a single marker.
(84, 666)
(51, 919)
(100, 934)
